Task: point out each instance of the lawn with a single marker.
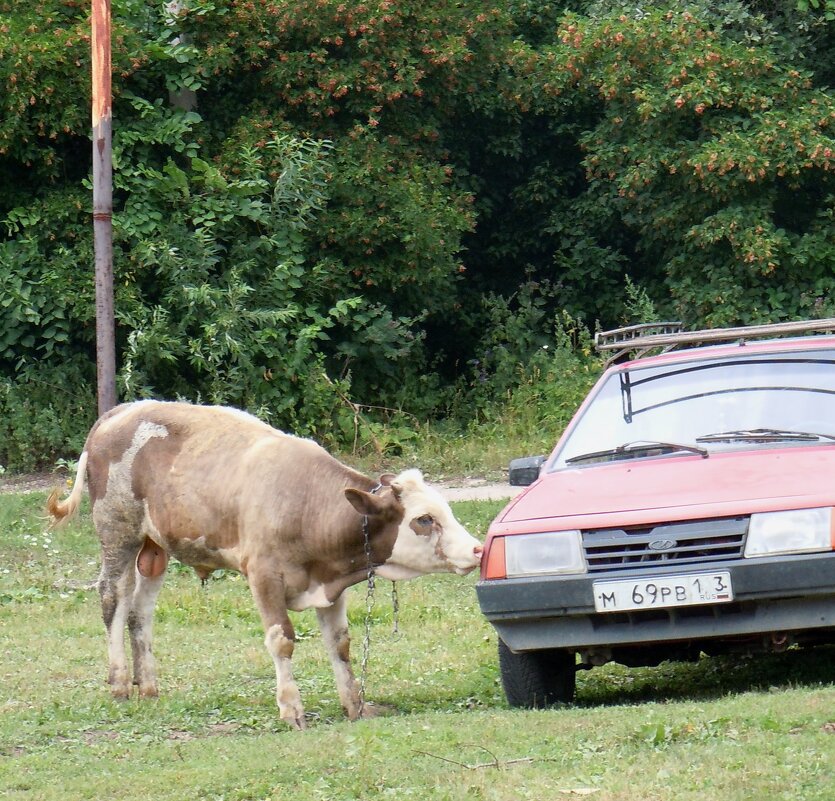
(723, 729)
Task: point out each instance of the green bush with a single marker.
(713, 148)
(352, 217)
(539, 397)
(522, 339)
(43, 417)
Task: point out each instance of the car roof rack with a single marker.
(641, 339)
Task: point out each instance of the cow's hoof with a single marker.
(120, 684)
(299, 724)
(148, 691)
(376, 710)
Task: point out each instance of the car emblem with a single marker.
(662, 545)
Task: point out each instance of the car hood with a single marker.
(676, 488)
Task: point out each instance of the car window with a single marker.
(682, 402)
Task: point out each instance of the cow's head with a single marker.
(429, 538)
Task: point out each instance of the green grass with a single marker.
(725, 729)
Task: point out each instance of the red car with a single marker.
(687, 509)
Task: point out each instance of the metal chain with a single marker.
(395, 610)
(369, 608)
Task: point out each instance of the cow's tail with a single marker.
(63, 510)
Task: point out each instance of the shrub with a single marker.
(42, 419)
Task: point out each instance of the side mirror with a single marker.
(523, 472)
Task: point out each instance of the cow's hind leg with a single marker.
(333, 621)
(150, 573)
(268, 592)
(116, 588)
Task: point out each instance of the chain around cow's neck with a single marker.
(369, 605)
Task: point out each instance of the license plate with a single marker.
(662, 592)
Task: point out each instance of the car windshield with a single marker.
(710, 404)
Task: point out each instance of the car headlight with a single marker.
(551, 552)
(795, 531)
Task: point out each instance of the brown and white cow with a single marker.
(217, 488)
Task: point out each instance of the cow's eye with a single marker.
(426, 520)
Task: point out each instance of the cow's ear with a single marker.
(387, 478)
(364, 502)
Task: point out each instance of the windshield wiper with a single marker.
(764, 435)
(632, 448)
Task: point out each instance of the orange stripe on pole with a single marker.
(101, 60)
(103, 205)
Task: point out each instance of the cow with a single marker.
(217, 488)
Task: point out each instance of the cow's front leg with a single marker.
(333, 622)
(268, 591)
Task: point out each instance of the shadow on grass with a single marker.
(709, 678)
(613, 685)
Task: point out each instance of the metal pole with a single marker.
(103, 206)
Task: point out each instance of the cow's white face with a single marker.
(430, 539)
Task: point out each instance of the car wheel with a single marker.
(536, 679)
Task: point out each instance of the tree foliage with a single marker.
(324, 206)
(716, 156)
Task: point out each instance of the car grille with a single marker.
(689, 543)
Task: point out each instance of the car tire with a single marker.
(537, 679)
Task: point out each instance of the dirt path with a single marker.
(453, 489)
(475, 490)
(31, 482)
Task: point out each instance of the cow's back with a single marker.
(142, 441)
(212, 474)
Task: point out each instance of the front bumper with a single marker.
(776, 594)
